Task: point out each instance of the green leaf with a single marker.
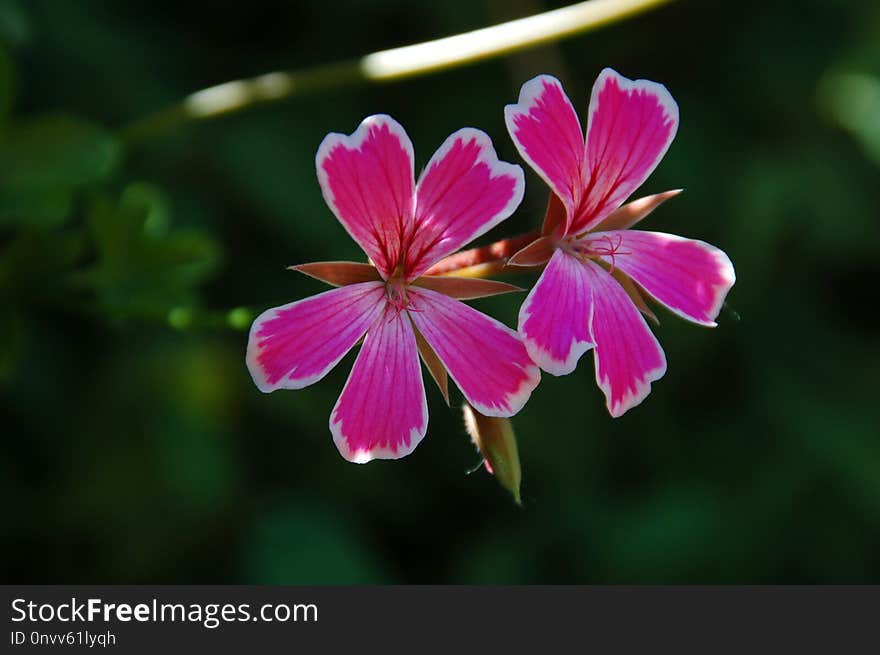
(15, 28)
(35, 263)
(144, 267)
(36, 209)
(296, 542)
(44, 160)
(853, 101)
(150, 200)
(7, 86)
(55, 152)
(11, 339)
(196, 464)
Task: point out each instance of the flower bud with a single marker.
(495, 440)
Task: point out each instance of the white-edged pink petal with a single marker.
(554, 321)
(630, 127)
(295, 345)
(367, 181)
(463, 192)
(484, 357)
(382, 412)
(627, 355)
(689, 277)
(545, 129)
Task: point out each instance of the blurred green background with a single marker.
(136, 448)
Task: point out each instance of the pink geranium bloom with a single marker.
(404, 227)
(589, 294)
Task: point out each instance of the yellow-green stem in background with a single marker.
(395, 64)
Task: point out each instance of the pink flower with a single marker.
(404, 227)
(589, 294)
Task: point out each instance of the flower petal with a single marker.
(295, 345)
(627, 355)
(485, 358)
(464, 192)
(554, 321)
(545, 128)
(367, 180)
(382, 412)
(689, 277)
(630, 127)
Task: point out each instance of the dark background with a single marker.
(135, 447)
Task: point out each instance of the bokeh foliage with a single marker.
(136, 449)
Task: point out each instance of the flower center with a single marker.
(396, 292)
(601, 248)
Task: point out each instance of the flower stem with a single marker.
(389, 65)
(483, 261)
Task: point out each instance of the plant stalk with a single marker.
(390, 65)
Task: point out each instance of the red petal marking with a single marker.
(554, 321)
(367, 181)
(689, 277)
(627, 355)
(295, 345)
(630, 127)
(463, 193)
(382, 412)
(545, 129)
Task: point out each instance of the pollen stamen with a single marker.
(396, 293)
(597, 248)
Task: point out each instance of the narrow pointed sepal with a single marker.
(339, 274)
(537, 253)
(632, 290)
(463, 288)
(433, 364)
(632, 212)
(496, 441)
(555, 221)
(484, 357)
